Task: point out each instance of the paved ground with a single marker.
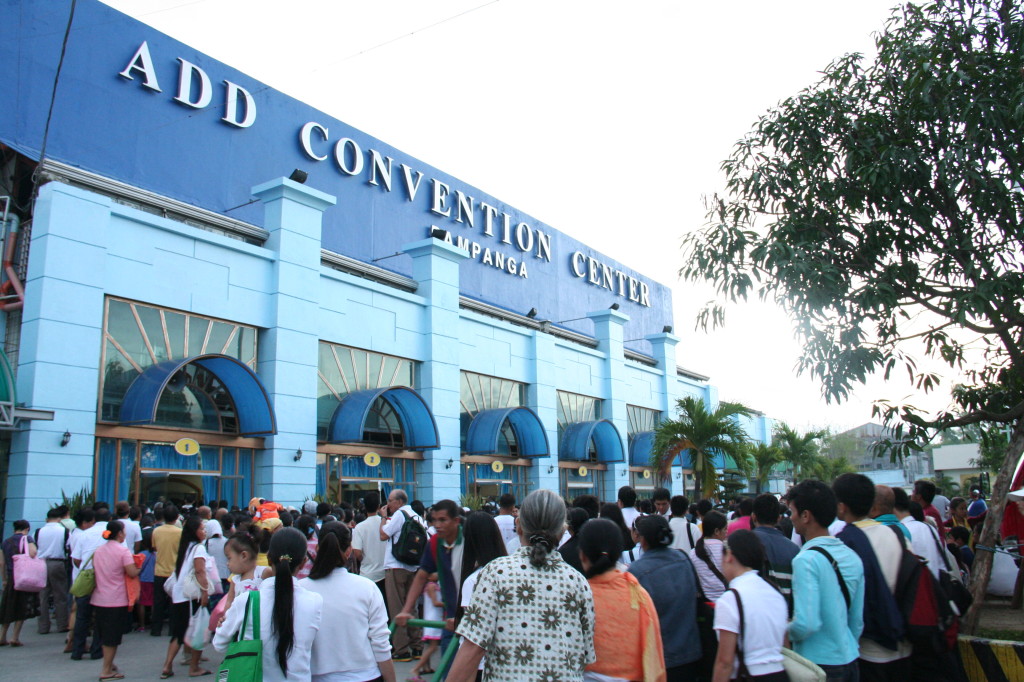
(139, 657)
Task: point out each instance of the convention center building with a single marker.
(213, 291)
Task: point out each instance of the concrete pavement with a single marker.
(140, 657)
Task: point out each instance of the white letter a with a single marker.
(142, 62)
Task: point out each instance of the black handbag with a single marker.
(705, 611)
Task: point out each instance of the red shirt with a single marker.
(931, 511)
(742, 522)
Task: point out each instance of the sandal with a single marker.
(115, 676)
(165, 675)
(16, 644)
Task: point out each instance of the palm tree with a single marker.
(799, 450)
(763, 460)
(828, 469)
(705, 434)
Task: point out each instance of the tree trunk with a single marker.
(981, 570)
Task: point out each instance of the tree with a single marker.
(705, 434)
(882, 209)
(828, 469)
(763, 460)
(800, 450)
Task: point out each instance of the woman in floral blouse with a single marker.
(532, 614)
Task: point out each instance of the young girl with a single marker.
(433, 609)
(146, 580)
(242, 550)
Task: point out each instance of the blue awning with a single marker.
(640, 448)
(576, 439)
(485, 429)
(418, 428)
(255, 413)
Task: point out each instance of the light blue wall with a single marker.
(86, 246)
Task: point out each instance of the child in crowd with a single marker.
(241, 551)
(146, 580)
(433, 609)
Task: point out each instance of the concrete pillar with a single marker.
(58, 367)
(608, 328)
(664, 351)
(542, 398)
(288, 349)
(435, 267)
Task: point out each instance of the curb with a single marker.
(992, 660)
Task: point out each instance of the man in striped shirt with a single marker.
(778, 549)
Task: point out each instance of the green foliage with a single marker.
(882, 208)
(764, 459)
(702, 434)
(828, 469)
(83, 498)
(472, 502)
(798, 450)
(947, 485)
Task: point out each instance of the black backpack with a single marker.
(412, 541)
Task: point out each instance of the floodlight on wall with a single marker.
(65, 439)
(551, 468)
(299, 176)
(298, 455)
(613, 306)
(450, 464)
(438, 233)
(532, 314)
(667, 329)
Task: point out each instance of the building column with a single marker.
(435, 267)
(542, 398)
(58, 360)
(288, 349)
(664, 351)
(608, 328)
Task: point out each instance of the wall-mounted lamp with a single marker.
(551, 468)
(450, 464)
(667, 329)
(438, 233)
(532, 314)
(298, 455)
(299, 176)
(622, 472)
(65, 439)
(613, 306)
(679, 474)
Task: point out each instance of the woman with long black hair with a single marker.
(707, 555)
(192, 555)
(290, 614)
(352, 643)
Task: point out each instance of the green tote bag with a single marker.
(243, 661)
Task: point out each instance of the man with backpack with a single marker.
(884, 649)
(405, 532)
(778, 549)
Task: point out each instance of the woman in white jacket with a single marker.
(289, 613)
(352, 643)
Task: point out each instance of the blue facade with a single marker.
(296, 272)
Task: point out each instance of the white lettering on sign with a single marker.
(608, 277)
(195, 89)
(492, 257)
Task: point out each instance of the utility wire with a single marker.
(56, 81)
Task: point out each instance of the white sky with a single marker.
(605, 120)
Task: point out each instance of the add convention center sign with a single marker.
(139, 107)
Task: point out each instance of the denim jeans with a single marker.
(841, 673)
(83, 626)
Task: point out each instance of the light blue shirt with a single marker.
(823, 630)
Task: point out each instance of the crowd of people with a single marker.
(637, 589)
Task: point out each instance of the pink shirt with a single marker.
(742, 523)
(109, 560)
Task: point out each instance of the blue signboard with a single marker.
(136, 106)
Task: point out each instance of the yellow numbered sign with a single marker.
(371, 459)
(647, 473)
(186, 446)
(582, 471)
(497, 467)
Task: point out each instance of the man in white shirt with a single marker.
(368, 547)
(685, 534)
(398, 576)
(506, 518)
(627, 502)
(51, 541)
(662, 504)
(94, 523)
(132, 529)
